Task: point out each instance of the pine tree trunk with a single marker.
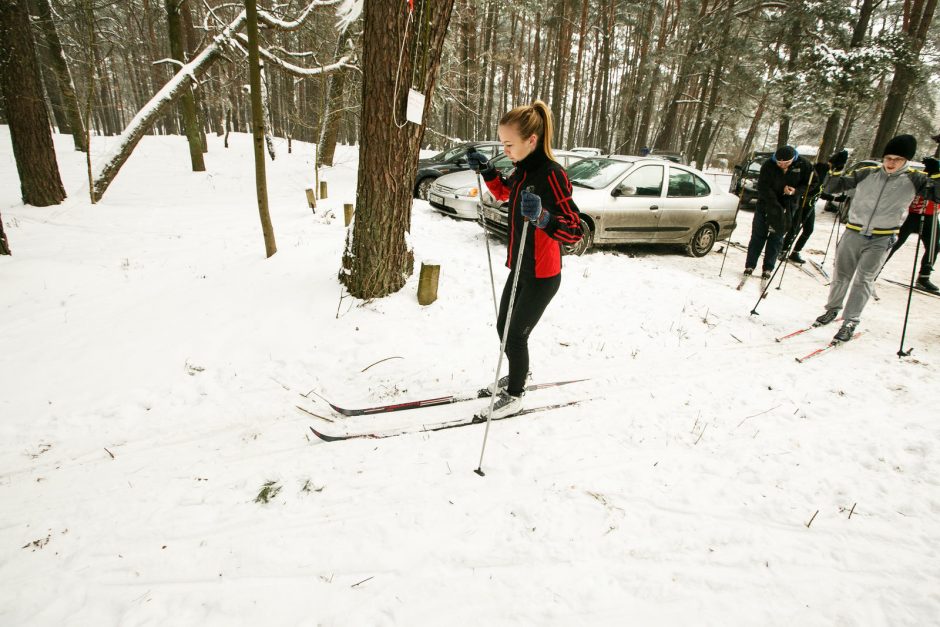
(33, 150)
(905, 71)
(257, 126)
(335, 115)
(62, 74)
(187, 101)
(377, 259)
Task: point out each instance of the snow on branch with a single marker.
(296, 70)
(270, 20)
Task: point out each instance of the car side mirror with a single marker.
(738, 168)
(624, 190)
(462, 161)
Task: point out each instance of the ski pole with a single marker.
(763, 293)
(835, 221)
(933, 238)
(734, 225)
(486, 239)
(910, 290)
(803, 221)
(502, 344)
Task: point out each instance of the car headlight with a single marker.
(471, 191)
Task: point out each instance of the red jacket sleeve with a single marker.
(565, 223)
(497, 186)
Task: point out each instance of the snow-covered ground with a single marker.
(151, 359)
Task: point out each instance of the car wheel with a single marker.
(703, 240)
(424, 186)
(583, 245)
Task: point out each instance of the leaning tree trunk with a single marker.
(187, 100)
(33, 150)
(62, 74)
(377, 259)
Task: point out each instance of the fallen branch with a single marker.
(812, 519)
(378, 362)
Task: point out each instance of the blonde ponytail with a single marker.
(534, 119)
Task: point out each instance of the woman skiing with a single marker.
(538, 190)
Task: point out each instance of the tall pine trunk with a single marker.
(30, 132)
(62, 74)
(187, 100)
(257, 126)
(377, 259)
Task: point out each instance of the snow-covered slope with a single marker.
(151, 359)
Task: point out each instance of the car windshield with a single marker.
(596, 173)
(754, 167)
(449, 155)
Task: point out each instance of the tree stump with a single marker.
(427, 283)
(322, 189)
(311, 199)
(348, 212)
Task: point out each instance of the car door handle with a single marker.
(654, 208)
(705, 208)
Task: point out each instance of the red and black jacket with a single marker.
(542, 256)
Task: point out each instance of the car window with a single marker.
(701, 187)
(596, 173)
(682, 184)
(489, 151)
(502, 163)
(754, 167)
(647, 179)
(451, 154)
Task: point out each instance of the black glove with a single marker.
(476, 160)
(839, 159)
(931, 166)
(826, 196)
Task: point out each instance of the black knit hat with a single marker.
(784, 153)
(902, 146)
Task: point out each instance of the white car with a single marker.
(457, 194)
(627, 200)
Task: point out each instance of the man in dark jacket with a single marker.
(805, 222)
(880, 203)
(781, 188)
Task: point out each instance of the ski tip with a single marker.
(327, 438)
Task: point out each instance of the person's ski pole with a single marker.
(734, 225)
(799, 231)
(502, 344)
(486, 238)
(910, 289)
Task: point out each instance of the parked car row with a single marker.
(622, 199)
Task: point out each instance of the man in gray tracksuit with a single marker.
(882, 195)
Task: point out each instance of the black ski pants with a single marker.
(910, 227)
(532, 297)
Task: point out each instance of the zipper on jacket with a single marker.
(877, 202)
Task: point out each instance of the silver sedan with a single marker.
(629, 200)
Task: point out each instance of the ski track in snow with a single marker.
(150, 328)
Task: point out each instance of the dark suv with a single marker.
(744, 181)
(447, 162)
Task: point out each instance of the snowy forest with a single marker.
(705, 78)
